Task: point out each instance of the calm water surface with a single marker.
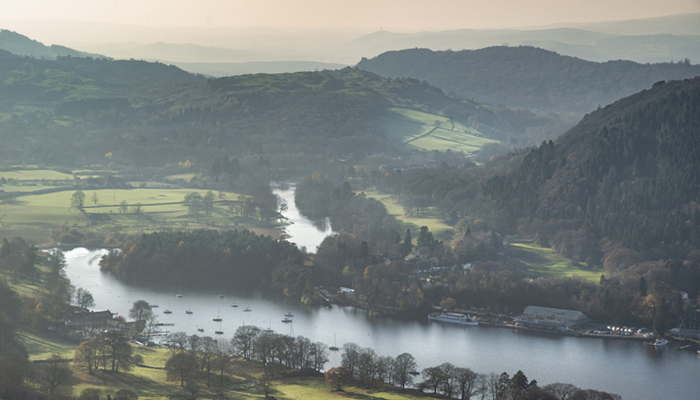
(628, 368)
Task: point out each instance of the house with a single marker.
(551, 318)
(90, 320)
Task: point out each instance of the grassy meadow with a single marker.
(542, 261)
(33, 215)
(423, 130)
(241, 380)
(440, 230)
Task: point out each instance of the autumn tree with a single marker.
(336, 378)
(88, 355)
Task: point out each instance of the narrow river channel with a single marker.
(629, 368)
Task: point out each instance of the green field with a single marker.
(33, 216)
(35, 174)
(544, 262)
(422, 130)
(149, 381)
(41, 347)
(440, 230)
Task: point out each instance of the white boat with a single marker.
(287, 320)
(660, 342)
(453, 318)
(289, 314)
(335, 345)
(234, 305)
(180, 295)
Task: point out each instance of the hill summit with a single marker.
(21, 45)
(527, 77)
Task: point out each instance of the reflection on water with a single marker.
(629, 368)
(302, 230)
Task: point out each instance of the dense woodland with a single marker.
(233, 258)
(619, 191)
(527, 77)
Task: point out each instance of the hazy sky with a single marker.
(391, 14)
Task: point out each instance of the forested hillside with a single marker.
(627, 174)
(527, 77)
(150, 114)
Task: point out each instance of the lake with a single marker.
(629, 368)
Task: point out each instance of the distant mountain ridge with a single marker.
(527, 77)
(652, 40)
(23, 46)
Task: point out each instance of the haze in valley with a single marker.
(271, 32)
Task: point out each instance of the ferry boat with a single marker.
(453, 318)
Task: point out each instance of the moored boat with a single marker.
(660, 342)
(453, 318)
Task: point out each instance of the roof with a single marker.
(552, 313)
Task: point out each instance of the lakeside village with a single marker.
(533, 318)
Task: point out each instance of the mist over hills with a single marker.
(24, 46)
(668, 39)
(646, 40)
(153, 113)
(527, 77)
(26, 80)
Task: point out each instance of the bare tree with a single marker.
(207, 351)
(563, 391)
(243, 340)
(403, 366)
(467, 382)
(182, 366)
(223, 358)
(351, 353)
(55, 376)
(177, 342)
